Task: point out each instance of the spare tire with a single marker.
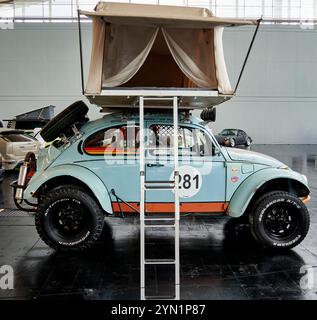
(76, 112)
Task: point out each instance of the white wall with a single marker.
(40, 65)
(276, 101)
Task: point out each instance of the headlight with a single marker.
(285, 167)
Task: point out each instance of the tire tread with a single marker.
(63, 191)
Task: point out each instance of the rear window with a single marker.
(17, 138)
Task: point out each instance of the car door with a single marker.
(202, 173)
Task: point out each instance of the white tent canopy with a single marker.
(147, 46)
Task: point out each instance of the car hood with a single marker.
(254, 157)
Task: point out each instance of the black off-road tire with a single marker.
(61, 122)
(281, 204)
(49, 210)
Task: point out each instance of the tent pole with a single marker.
(81, 53)
(248, 53)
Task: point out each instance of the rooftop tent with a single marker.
(138, 46)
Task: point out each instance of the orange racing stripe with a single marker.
(168, 207)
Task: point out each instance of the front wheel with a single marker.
(279, 220)
(69, 219)
(232, 142)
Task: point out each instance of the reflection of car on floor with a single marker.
(14, 145)
(233, 137)
(93, 171)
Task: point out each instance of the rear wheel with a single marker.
(248, 142)
(279, 220)
(69, 219)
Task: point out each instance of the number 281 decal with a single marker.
(189, 182)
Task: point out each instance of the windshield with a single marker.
(229, 132)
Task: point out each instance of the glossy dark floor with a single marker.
(218, 261)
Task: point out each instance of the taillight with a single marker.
(9, 148)
(29, 176)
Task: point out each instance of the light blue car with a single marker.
(92, 171)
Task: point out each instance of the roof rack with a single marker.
(127, 98)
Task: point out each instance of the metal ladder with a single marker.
(158, 186)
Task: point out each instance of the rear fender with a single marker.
(83, 174)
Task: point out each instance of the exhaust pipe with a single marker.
(21, 181)
(28, 165)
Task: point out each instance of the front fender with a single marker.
(244, 193)
(75, 171)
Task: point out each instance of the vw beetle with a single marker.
(91, 170)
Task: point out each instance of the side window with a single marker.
(120, 140)
(191, 141)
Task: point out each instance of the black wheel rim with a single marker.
(70, 219)
(281, 221)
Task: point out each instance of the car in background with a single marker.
(1, 170)
(30, 120)
(233, 137)
(14, 145)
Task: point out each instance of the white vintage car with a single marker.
(14, 145)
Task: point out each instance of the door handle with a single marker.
(155, 165)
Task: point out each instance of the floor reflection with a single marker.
(214, 265)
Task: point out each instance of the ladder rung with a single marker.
(159, 219)
(160, 181)
(159, 188)
(159, 261)
(160, 297)
(159, 225)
